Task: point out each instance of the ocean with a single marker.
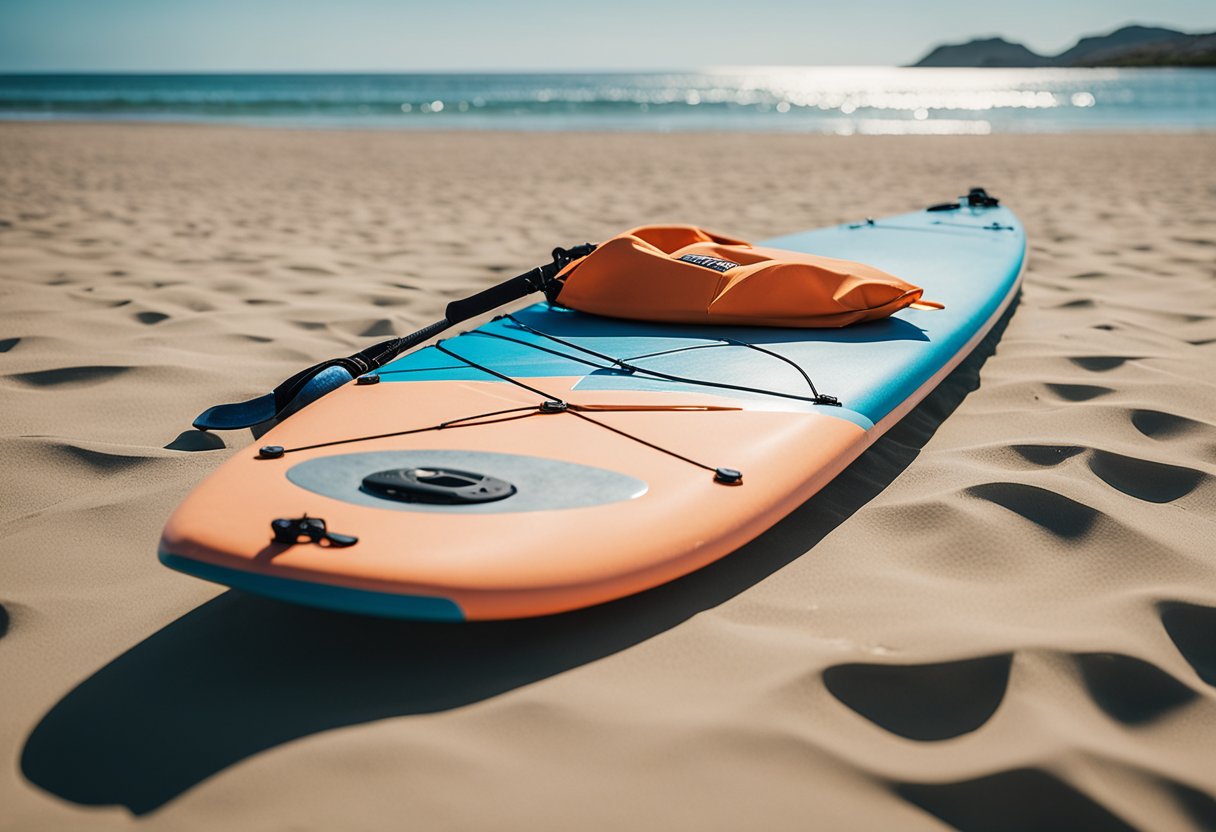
(835, 100)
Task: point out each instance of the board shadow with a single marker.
(241, 674)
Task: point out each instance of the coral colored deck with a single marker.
(456, 565)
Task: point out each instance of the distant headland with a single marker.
(1129, 46)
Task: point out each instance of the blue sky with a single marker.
(219, 35)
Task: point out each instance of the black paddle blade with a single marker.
(300, 390)
(237, 415)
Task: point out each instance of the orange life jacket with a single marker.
(684, 274)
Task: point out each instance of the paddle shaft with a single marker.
(461, 310)
(314, 382)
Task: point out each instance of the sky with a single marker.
(448, 35)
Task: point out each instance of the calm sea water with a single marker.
(841, 100)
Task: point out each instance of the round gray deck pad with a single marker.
(542, 484)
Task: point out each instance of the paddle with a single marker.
(312, 383)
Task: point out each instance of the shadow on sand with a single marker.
(242, 674)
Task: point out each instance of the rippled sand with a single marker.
(1002, 617)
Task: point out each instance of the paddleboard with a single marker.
(527, 468)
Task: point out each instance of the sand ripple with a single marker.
(1002, 617)
(1014, 801)
(923, 702)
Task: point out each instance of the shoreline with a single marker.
(630, 131)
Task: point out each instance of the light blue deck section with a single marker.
(968, 259)
(327, 596)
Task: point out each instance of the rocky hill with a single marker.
(1128, 46)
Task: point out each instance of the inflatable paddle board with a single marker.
(551, 460)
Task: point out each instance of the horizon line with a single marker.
(548, 70)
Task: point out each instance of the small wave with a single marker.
(864, 100)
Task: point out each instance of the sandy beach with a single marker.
(1001, 617)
